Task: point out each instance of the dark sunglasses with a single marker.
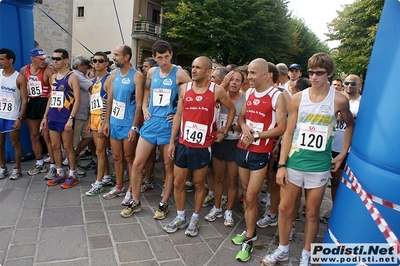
(98, 60)
(352, 83)
(57, 58)
(318, 73)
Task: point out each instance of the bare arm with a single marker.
(220, 96)
(280, 112)
(342, 106)
(22, 86)
(146, 94)
(176, 122)
(282, 176)
(108, 86)
(73, 82)
(138, 79)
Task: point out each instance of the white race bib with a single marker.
(340, 125)
(259, 127)
(6, 104)
(161, 97)
(57, 99)
(312, 137)
(118, 109)
(34, 88)
(96, 102)
(195, 133)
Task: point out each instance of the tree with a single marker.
(231, 31)
(355, 27)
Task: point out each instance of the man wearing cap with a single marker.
(82, 139)
(13, 100)
(38, 74)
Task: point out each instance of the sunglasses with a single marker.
(98, 60)
(318, 73)
(57, 58)
(352, 83)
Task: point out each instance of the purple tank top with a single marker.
(61, 99)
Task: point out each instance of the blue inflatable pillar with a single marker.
(17, 34)
(374, 156)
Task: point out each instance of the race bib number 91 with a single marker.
(195, 133)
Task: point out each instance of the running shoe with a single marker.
(189, 188)
(228, 219)
(38, 169)
(95, 190)
(86, 155)
(161, 212)
(115, 192)
(56, 180)
(51, 174)
(213, 214)
(16, 173)
(3, 172)
(91, 165)
(266, 221)
(305, 260)
(131, 209)
(177, 223)
(70, 182)
(146, 186)
(193, 228)
(244, 252)
(209, 200)
(274, 257)
(238, 239)
(127, 199)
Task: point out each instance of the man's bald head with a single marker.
(260, 63)
(207, 61)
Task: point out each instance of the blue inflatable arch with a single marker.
(17, 34)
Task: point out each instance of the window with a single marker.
(81, 12)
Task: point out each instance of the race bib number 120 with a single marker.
(312, 137)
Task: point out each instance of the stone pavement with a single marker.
(42, 225)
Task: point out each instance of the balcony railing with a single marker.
(147, 27)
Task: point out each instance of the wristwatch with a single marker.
(256, 135)
(224, 134)
(135, 128)
(280, 165)
(71, 117)
(20, 118)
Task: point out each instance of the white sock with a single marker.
(306, 252)
(72, 173)
(195, 216)
(53, 165)
(211, 193)
(285, 249)
(40, 162)
(182, 214)
(60, 172)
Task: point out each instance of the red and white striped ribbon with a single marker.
(375, 214)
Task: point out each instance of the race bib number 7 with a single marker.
(312, 137)
(195, 133)
(161, 97)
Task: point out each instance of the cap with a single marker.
(282, 68)
(295, 66)
(38, 52)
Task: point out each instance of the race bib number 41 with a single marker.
(312, 137)
(195, 133)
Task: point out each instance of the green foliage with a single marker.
(238, 31)
(355, 27)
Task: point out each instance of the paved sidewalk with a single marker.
(42, 225)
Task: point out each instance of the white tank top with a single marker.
(10, 96)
